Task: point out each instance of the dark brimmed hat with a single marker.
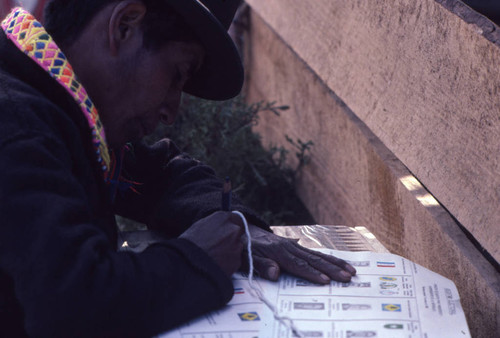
(221, 75)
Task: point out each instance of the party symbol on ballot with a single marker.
(386, 285)
(391, 307)
(249, 316)
(388, 279)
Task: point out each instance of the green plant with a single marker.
(220, 134)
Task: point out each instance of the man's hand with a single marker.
(272, 253)
(219, 235)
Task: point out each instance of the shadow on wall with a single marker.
(489, 8)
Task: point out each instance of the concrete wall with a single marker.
(401, 99)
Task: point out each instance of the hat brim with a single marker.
(221, 75)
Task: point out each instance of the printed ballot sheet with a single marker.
(241, 317)
(389, 297)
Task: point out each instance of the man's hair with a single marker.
(66, 19)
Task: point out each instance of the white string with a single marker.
(286, 321)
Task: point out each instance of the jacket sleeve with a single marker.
(68, 278)
(175, 190)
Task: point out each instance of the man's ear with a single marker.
(125, 23)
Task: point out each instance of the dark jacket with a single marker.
(60, 273)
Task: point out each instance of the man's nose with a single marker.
(168, 115)
(169, 111)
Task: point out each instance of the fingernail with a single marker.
(345, 274)
(324, 277)
(272, 272)
(351, 270)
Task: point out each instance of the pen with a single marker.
(226, 195)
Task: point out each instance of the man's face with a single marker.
(147, 90)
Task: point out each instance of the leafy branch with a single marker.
(220, 134)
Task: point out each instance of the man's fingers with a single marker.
(302, 262)
(331, 266)
(269, 269)
(266, 268)
(236, 219)
(290, 262)
(324, 267)
(300, 268)
(332, 259)
(220, 236)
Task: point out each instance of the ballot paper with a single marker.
(389, 297)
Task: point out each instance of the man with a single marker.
(62, 179)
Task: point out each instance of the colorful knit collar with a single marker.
(31, 38)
